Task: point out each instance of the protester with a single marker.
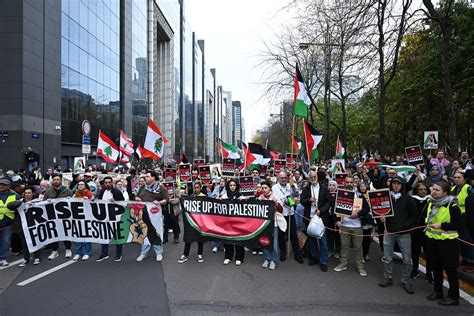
(316, 200)
(443, 163)
(444, 221)
(403, 220)
(32, 158)
(83, 249)
(367, 222)
(7, 217)
(271, 255)
(332, 235)
(90, 183)
(187, 244)
(351, 232)
(109, 193)
(58, 191)
(173, 220)
(119, 186)
(233, 193)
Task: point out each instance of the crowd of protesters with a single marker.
(433, 211)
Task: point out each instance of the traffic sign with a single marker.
(3, 134)
(86, 139)
(86, 149)
(35, 135)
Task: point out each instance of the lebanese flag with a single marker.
(154, 146)
(313, 138)
(126, 146)
(297, 143)
(124, 159)
(227, 151)
(139, 152)
(339, 149)
(107, 149)
(301, 102)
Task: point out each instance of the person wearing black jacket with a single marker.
(111, 194)
(404, 219)
(316, 200)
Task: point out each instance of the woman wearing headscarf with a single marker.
(83, 249)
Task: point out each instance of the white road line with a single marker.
(45, 273)
(14, 263)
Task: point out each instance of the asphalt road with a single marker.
(209, 288)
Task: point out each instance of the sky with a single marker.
(234, 32)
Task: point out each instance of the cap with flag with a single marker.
(126, 146)
(107, 149)
(139, 152)
(313, 138)
(154, 142)
(339, 149)
(301, 101)
(297, 144)
(227, 151)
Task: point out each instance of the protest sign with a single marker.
(247, 223)
(170, 174)
(291, 160)
(216, 171)
(169, 186)
(414, 155)
(344, 202)
(97, 221)
(279, 166)
(430, 140)
(199, 162)
(380, 203)
(205, 174)
(185, 172)
(247, 186)
(263, 171)
(338, 166)
(340, 178)
(228, 167)
(79, 164)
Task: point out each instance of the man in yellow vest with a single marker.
(6, 219)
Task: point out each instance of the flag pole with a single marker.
(289, 215)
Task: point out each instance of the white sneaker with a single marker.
(159, 258)
(23, 263)
(68, 253)
(85, 257)
(53, 255)
(141, 258)
(226, 261)
(37, 261)
(76, 257)
(215, 249)
(4, 263)
(265, 264)
(183, 259)
(238, 262)
(200, 259)
(272, 265)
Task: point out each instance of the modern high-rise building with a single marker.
(112, 63)
(236, 123)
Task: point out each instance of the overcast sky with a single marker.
(233, 32)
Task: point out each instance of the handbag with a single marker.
(316, 227)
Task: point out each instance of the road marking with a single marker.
(45, 273)
(14, 263)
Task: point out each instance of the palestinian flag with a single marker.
(107, 149)
(154, 146)
(397, 168)
(297, 144)
(139, 152)
(274, 154)
(182, 159)
(254, 155)
(126, 146)
(301, 101)
(313, 138)
(339, 149)
(227, 151)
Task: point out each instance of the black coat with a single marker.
(324, 202)
(118, 196)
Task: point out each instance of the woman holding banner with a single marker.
(233, 193)
(444, 221)
(83, 249)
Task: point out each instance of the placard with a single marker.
(198, 162)
(340, 178)
(338, 166)
(414, 155)
(228, 167)
(380, 203)
(344, 202)
(205, 174)
(247, 186)
(169, 186)
(263, 171)
(430, 140)
(185, 172)
(170, 174)
(291, 160)
(279, 166)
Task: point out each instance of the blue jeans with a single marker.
(146, 249)
(6, 229)
(272, 255)
(83, 248)
(318, 251)
(299, 217)
(217, 244)
(404, 242)
(105, 250)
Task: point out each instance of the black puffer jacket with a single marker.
(405, 210)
